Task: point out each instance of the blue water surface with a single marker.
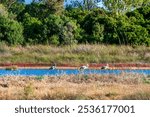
(42, 72)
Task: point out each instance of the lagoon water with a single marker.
(42, 72)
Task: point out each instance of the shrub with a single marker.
(35, 10)
(94, 26)
(54, 39)
(134, 35)
(28, 91)
(69, 32)
(77, 14)
(11, 31)
(39, 77)
(62, 27)
(33, 30)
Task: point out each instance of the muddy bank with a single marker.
(69, 66)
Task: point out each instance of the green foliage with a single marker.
(36, 10)
(146, 80)
(145, 11)
(55, 6)
(33, 29)
(65, 28)
(11, 31)
(28, 91)
(54, 40)
(3, 11)
(16, 8)
(77, 14)
(136, 17)
(94, 26)
(45, 22)
(133, 35)
(120, 31)
(141, 23)
(98, 32)
(120, 7)
(69, 32)
(39, 77)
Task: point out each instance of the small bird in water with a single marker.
(53, 66)
(84, 67)
(105, 67)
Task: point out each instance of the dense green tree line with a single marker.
(49, 22)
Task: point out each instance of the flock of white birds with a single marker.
(82, 67)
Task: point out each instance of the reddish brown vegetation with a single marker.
(93, 65)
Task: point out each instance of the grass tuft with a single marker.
(138, 96)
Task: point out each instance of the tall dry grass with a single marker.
(72, 87)
(75, 55)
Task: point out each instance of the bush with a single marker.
(54, 39)
(33, 30)
(63, 28)
(35, 10)
(16, 9)
(145, 11)
(77, 14)
(131, 33)
(11, 31)
(119, 31)
(110, 33)
(136, 35)
(70, 32)
(94, 26)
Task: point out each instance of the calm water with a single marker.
(41, 72)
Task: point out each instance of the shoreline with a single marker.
(67, 66)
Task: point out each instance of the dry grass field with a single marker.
(76, 87)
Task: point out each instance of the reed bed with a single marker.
(74, 55)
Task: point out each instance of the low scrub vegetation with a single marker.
(138, 96)
(75, 87)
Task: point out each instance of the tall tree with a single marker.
(85, 4)
(56, 6)
(3, 11)
(122, 6)
(9, 3)
(146, 2)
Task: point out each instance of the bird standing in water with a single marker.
(105, 67)
(84, 67)
(53, 66)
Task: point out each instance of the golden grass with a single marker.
(74, 87)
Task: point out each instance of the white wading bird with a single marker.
(105, 67)
(53, 66)
(84, 67)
